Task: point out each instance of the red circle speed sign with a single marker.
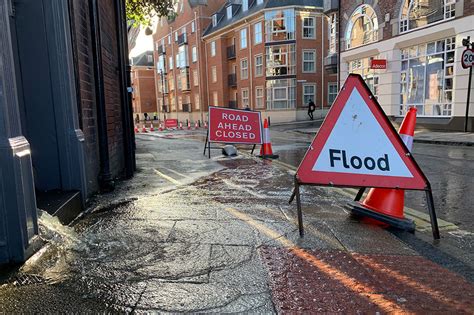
(467, 59)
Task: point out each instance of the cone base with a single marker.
(402, 224)
(268, 156)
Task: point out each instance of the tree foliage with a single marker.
(141, 11)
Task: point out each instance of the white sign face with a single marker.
(467, 59)
(358, 145)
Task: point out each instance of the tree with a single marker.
(141, 11)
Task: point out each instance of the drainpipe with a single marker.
(125, 82)
(339, 45)
(250, 66)
(105, 177)
(197, 23)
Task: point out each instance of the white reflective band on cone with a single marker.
(266, 135)
(408, 140)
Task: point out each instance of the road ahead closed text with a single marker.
(234, 126)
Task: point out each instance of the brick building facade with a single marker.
(65, 115)
(231, 54)
(422, 44)
(144, 85)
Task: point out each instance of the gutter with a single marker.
(106, 182)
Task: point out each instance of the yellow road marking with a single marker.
(168, 178)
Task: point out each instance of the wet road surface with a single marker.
(189, 234)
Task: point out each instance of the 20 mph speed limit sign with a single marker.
(467, 59)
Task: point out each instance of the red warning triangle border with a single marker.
(306, 175)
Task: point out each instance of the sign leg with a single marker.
(433, 219)
(253, 149)
(298, 206)
(293, 194)
(205, 144)
(209, 148)
(360, 194)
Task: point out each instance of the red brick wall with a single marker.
(88, 107)
(144, 95)
(88, 114)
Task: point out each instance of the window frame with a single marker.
(313, 85)
(303, 51)
(214, 74)
(258, 66)
(195, 77)
(262, 97)
(194, 56)
(258, 35)
(213, 48)
(241, 32)
(332, 84)
(246, 100)
(242, 69)
(303, 27)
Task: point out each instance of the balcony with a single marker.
(330, 63)
(231, 52)
(182, 39)
(233, 104)
(161, 50)
(232, 80)
(187, 108)
(330, 6)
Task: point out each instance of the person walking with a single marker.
(146, 116)
(155, 116)
(311, 109)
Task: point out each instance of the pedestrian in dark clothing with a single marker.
(311, 109)
(146, 116)
(137, 119)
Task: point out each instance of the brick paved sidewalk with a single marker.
(328, 281)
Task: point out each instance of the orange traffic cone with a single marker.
(205, 125)
(196, 125)
(388, 203)
(189, 125)
(266, 148)
(180, 126)
(152, 128)
(144, 129)
(136, 129)
(161, 127)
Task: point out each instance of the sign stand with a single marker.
(356, 147)
(207, 146)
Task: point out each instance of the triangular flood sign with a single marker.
(358, 146)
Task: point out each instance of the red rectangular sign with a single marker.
(378, 64)
(171, 123)
(234, 126)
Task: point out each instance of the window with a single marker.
(180, 103)
(259, 97)
(171, 82)
(418, 13)
(160, 65)
(194, 54)
(281, 94)
(245, 5)
(176, 36)
(332, 28)
(362, 27)
(259, 2)
(332, 93)
(193, 27)
(427, 78)
(280, 60)
(214, 20)
(177, 61)
(309, 93)
(215, 99)
(169, 39)
(214, 74)
(229, 12)
(245, 98)
(280, 25)
(183, 57)
(309, 24)
(171, 62)
(244, 69)
(258, 33)
(309, 61)
(243, 38)
(258, 65)
(195, 78)
(197, 102)
(213, 49)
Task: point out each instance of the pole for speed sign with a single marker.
(467, 61)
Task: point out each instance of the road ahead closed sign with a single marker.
(234, 126)
(357, 146)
